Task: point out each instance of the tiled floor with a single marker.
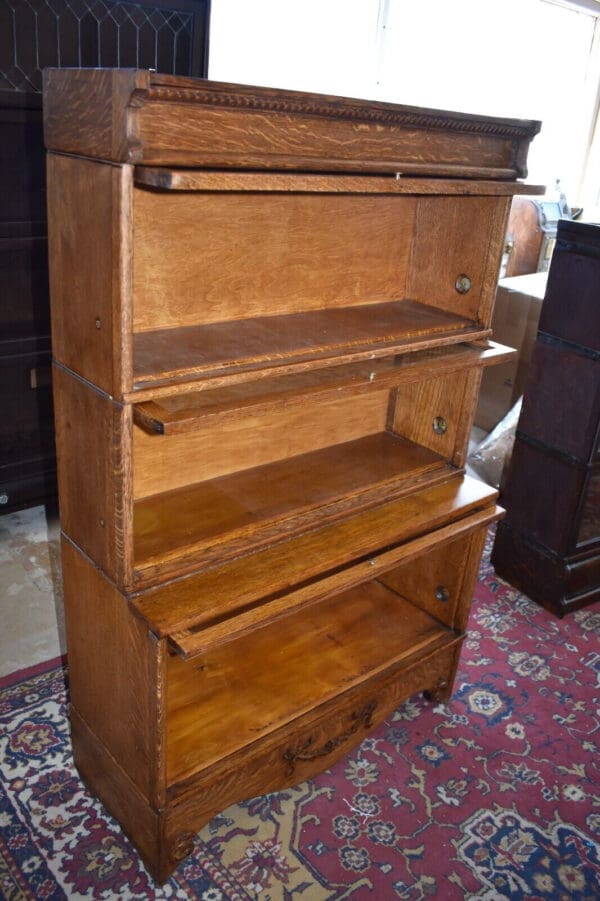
(31, 609)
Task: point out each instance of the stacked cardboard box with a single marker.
(515, 323)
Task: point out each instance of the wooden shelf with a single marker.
(184, 412)
(165, 179)
(216, 519)
(209, 598)
(275, 675)
(244, 345)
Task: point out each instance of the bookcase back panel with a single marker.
(166, 462)
(203, 257)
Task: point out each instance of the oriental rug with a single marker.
(493, 796)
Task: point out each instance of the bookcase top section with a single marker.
(145, 118)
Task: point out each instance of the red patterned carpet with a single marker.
(495, 796)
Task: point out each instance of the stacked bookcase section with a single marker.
(270, 316)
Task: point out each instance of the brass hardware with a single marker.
(98, 323)
(372, 562)
(371, 376)
(463, 284)
(442, 594)
(362, 718)
(439, 425)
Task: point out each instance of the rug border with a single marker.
(28, 672)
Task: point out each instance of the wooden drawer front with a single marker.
(317, 739)
(561, 406)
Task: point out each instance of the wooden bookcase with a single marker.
(270, 316)
(549, 544)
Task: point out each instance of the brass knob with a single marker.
(462, 284)
(439, 425)
(442, 594)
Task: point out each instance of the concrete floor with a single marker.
(31, 606)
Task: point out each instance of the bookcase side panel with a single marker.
(90, 269)
(93, 438)
(114, 672)
(456, 253)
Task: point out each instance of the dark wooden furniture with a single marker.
(549, 544)
(27, 458)
(531, 234)
(172, 35)
(263, 411)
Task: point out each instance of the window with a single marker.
(537, 59)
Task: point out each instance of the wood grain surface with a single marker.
(189, 410)
(88, 240)
(310, 657)
(220, 591)
(218, 180)
(401, 568)
(194, 524)
(251, 344)
(115, 671)
(93, 439)
(202, 258)
(166, 463)
(131, 116)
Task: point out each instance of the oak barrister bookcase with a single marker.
(270, 314)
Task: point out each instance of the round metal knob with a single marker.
(3, 497)
(439, 425)
(442, 594)
(462, 284)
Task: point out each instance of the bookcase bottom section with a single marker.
(559, 584)
(163, 835)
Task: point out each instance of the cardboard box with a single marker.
(515, 323)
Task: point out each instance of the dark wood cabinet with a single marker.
(549, 544)
(172, 36)
(27, 458)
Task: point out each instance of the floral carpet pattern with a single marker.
(493, 796)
